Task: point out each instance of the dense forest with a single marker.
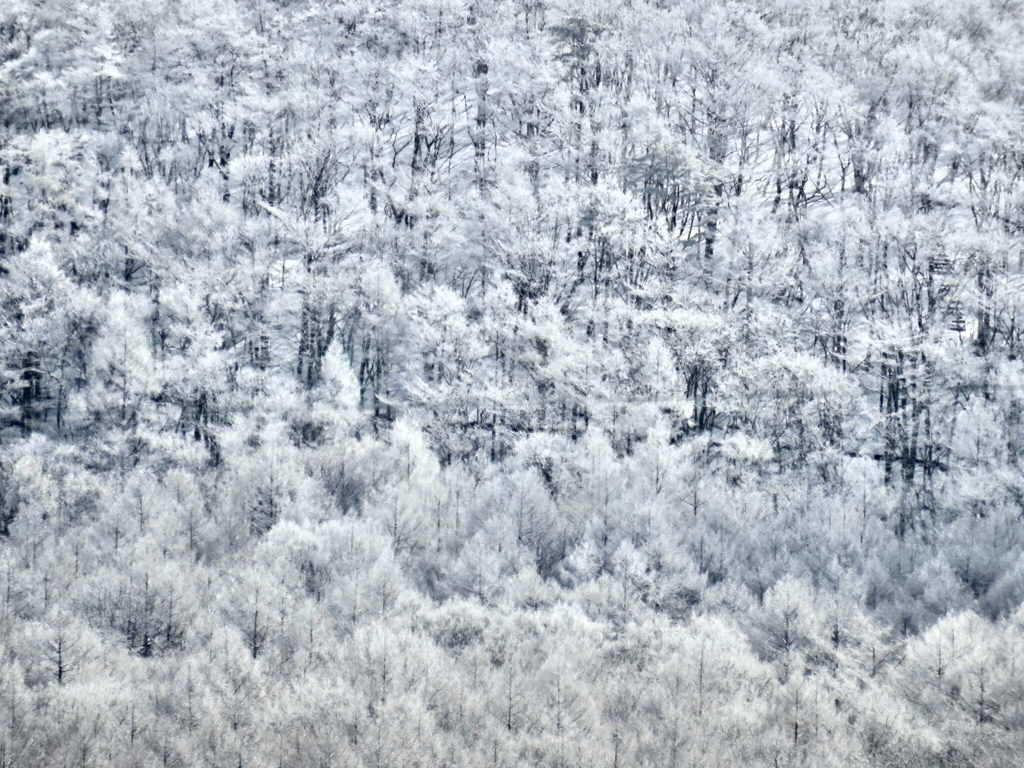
(480, 383)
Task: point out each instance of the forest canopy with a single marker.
(465, 382)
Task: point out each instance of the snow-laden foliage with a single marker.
(463, 382)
